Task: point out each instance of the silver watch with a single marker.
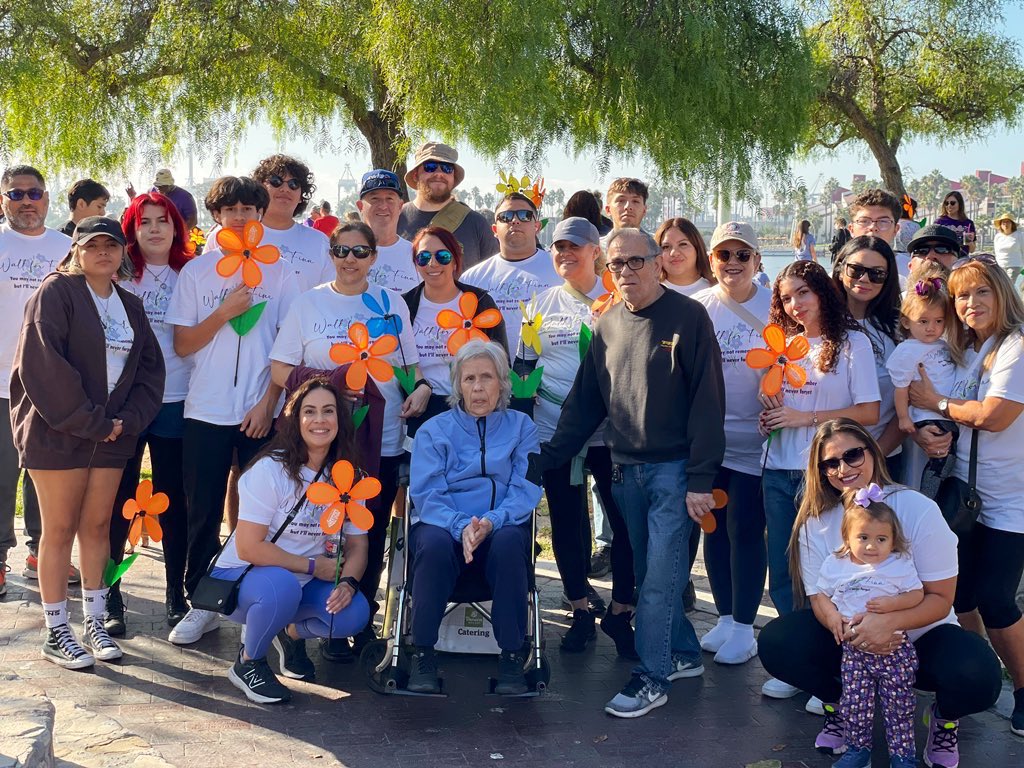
(944, 407)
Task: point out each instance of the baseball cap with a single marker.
(435, 150)
(163, 178)
(576, 230)
(934, 233)
(735, 230)
(379, 178)
(92, 226)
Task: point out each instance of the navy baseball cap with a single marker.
(379, 179)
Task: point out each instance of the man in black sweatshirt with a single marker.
(654, 370)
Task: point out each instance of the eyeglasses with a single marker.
(359, 251)
(875, 275)
(615, 266)
(851, 458)
(442, 257)
(942, 250)
(984, 258)
(276, 181)
(17, 195)
(742, 256)
(432, 166)
(507, 217)
(882, 225)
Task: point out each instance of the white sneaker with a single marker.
(776, 689)
(815, 706)
(717, 635)
(196, 623)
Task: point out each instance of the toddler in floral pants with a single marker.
(872, 572)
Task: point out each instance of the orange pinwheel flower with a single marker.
(364, 356)
(537, 192)
(245, 252)
(142, 511)
(606, 301)
(779, 359)
(466, 323)
(343, 498)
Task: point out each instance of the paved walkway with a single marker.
(179, 701)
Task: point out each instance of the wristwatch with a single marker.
(944, 407)
(351, 581)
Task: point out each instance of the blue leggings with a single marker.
(270, 598)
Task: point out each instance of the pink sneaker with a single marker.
(941, 750)
(832, 738)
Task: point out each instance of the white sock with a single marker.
(94, 601)
(718, 634)
(739, 647)
(55, 613)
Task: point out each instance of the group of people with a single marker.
(403, 339)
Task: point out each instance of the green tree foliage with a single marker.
(895, 70)
(711, 86)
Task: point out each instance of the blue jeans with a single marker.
(652, 498)
(783, 489)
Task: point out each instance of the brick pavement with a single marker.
(179, 701)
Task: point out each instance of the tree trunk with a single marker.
(383, 133)
(878, 143)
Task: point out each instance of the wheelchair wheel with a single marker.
(538, 679)
(371, 657)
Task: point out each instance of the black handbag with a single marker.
(221, 595)
(959, 501)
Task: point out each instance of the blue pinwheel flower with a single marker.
(387, 322)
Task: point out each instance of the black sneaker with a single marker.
(580, 632)
(1017, 718)
(113, 615)
(364, 637)
(423, 671)
(594, 600)
(690, 598)
(255, 679)
(601, 562)
(96, 638)
(176, 605)
(619, 628)
(511, 677)
(294, 661)
(63, 649)
(336, 650)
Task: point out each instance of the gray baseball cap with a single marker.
(576, 230)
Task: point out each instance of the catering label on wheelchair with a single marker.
(466, 630)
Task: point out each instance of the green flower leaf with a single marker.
(585, 337)
(246, 321)
(528, 386)
(406, 380)
(359, 415)
(114, 571)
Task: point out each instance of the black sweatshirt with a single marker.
(657, 375)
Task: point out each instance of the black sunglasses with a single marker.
(942, 250)
(432, 166)
(851, 458)
(276, 181)
(359, 251)
(17, 195)
(507, 217)
(875, 275)
(443, 257)
(742, 256)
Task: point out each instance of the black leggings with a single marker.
(991, 563)
(570, 528)
(957, 665)
(377, 536)
(165, 453)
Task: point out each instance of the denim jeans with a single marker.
(652, 498)
(783, 489)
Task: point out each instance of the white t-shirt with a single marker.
(938, 364)
(853, 381)
(394, 268)
(266, 496)
(559, 353)
(509, 282)
(932, 544)
(118, 334)
(852, 585)
(431, 344)
(24, 262)
(213, 395)
(155, 288)
(321, 317)
(735, 338)
(691, 290)
(1009, 249)
(881, 347)
(999, 453)
(307, 250)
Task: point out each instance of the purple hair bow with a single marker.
(927, 287)
(866, 496)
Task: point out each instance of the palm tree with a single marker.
(974, 190)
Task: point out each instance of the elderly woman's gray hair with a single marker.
(650, 244)
(472, 350)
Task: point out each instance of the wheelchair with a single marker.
(386, 661)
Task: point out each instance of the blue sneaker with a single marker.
(682, 668)
(897, 761)
(639, 697)
(854, 758)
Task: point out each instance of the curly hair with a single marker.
(279, 165)
(834, 317)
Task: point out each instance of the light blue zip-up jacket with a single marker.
(464, 466)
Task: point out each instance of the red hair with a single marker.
(446, 237)
(182, 247)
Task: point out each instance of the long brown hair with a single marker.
(819, 495)
(691, 233)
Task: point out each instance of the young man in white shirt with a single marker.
(380, 206)
(28, 253)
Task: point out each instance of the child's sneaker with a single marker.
(942, 750)
(63, 649)
(855, 758)
(898, 761)
(831, 739)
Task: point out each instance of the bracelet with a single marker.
(814, 418)
(422, 381)
(311, 566)
(351, 581)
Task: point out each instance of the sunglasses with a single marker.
(942, 250)
(443, 257)
(851, 458)
(875, 275)
(276, 181)
(358, 251)
(742, 256)
(432, 166)
(984, 258)
(951, 202)
(633, 262)
(17, 195)
(507, 217)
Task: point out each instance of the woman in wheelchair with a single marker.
(473, 508)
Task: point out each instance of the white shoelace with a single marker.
(67, 643)
(98, 633)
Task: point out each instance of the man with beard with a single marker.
(434, 175)
(28, 253)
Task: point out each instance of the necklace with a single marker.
(159, 277)
(103, 305)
